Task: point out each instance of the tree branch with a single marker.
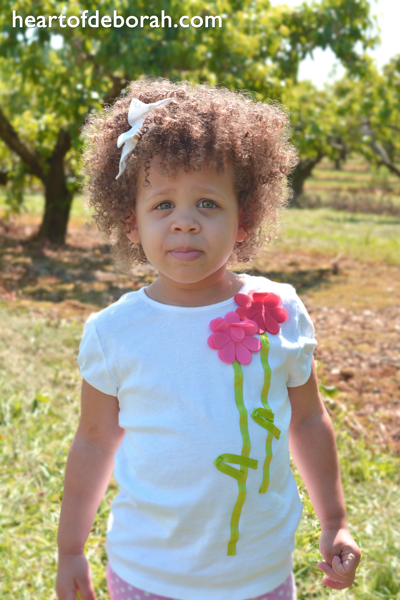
(385, 160)
(393, 127)
(10, 137)
(118, 83)
(116, 88)
(3, 178)
(378, 148)
(307, 165)
(380, 151)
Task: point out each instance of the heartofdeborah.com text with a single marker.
(95, 21)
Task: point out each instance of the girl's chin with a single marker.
(184, 277)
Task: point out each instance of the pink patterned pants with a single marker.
(120, 590)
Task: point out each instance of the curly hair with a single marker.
(202, 125)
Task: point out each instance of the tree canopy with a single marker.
(52, 77)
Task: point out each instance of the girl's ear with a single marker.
(241, 234)
(133, 234)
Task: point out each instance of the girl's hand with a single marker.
(74, 575)
(342, 557)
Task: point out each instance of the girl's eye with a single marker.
(204, 204)
(208, 203)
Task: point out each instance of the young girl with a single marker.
(195, 386)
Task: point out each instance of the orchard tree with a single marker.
(319, 130)
(358, 114)
(52, 77)
(371, 108)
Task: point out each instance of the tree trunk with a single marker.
(300, 174)
(58, 198)
(58, 201)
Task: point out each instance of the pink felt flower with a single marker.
(263, 308)
(233, 338)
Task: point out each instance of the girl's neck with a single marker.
(202, 293)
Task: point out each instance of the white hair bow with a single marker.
(136, 116)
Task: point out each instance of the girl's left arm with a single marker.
(313, 447)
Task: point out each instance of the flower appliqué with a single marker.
(234, 339)
(263, 308)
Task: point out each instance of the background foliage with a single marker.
(46, 89)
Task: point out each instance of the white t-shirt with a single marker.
(169, 525)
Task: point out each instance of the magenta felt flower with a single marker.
(264, 308)
(233, 338)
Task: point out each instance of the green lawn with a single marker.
(330, 232)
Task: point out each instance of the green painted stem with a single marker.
(267, 371)
(265, 416)
(243, 460)
(268, 458)
(245, 452)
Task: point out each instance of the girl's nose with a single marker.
(185, 221)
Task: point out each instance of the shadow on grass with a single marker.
(301, 279)
(58, 274)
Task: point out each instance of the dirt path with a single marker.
(355, 307)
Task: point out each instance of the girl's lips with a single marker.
(186, 254)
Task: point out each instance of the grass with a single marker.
(329, 232)
(39, 387)
(371, 484)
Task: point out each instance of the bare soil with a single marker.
(355, 307)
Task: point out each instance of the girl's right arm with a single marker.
(89, 467)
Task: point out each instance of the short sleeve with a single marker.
(93, 362)
(300, 368)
